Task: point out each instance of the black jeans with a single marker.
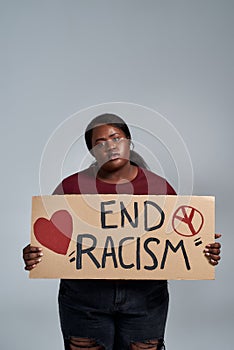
(113, 313)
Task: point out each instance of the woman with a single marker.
(110, 314)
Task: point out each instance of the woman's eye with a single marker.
(101, 144)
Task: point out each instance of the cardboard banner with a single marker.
(123, 236)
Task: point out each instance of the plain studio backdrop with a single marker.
(58, 57)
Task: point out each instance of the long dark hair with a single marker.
(116, 121)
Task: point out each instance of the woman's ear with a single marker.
(131, 144)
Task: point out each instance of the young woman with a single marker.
(113, 314)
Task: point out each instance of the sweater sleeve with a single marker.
(59, 189)
(170, 189)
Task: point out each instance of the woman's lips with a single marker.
(113, 156)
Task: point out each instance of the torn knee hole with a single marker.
(153, 344)
(84, 343)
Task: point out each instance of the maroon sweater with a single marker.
(86, 182)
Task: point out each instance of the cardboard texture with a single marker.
(123, 236)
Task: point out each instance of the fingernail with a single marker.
(206, 250)
(38, 260)
(40, 254)
(207, 254)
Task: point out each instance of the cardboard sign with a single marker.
(123, 236)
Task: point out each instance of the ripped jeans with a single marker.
(113, 315)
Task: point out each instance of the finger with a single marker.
(216, 244)
(215, 257)
(212, 256)
(212, 252)
(31, 256)
(213, 262)
(27, 251)
(29, 268)
(213, 246)
(32, 249)
(31, 263)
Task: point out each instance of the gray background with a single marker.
(58, 57)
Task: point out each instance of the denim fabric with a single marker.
(114, 313)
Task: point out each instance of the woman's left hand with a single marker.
(212, 251)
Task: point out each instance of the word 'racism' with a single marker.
(115, 252)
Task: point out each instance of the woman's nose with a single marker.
(110, 144)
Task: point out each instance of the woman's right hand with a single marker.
(32, 256)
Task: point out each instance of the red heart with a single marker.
(55, 234)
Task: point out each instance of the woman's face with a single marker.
(111, 148)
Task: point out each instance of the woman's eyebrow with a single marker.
(103, 138)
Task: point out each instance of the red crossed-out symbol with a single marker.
(191, 217)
